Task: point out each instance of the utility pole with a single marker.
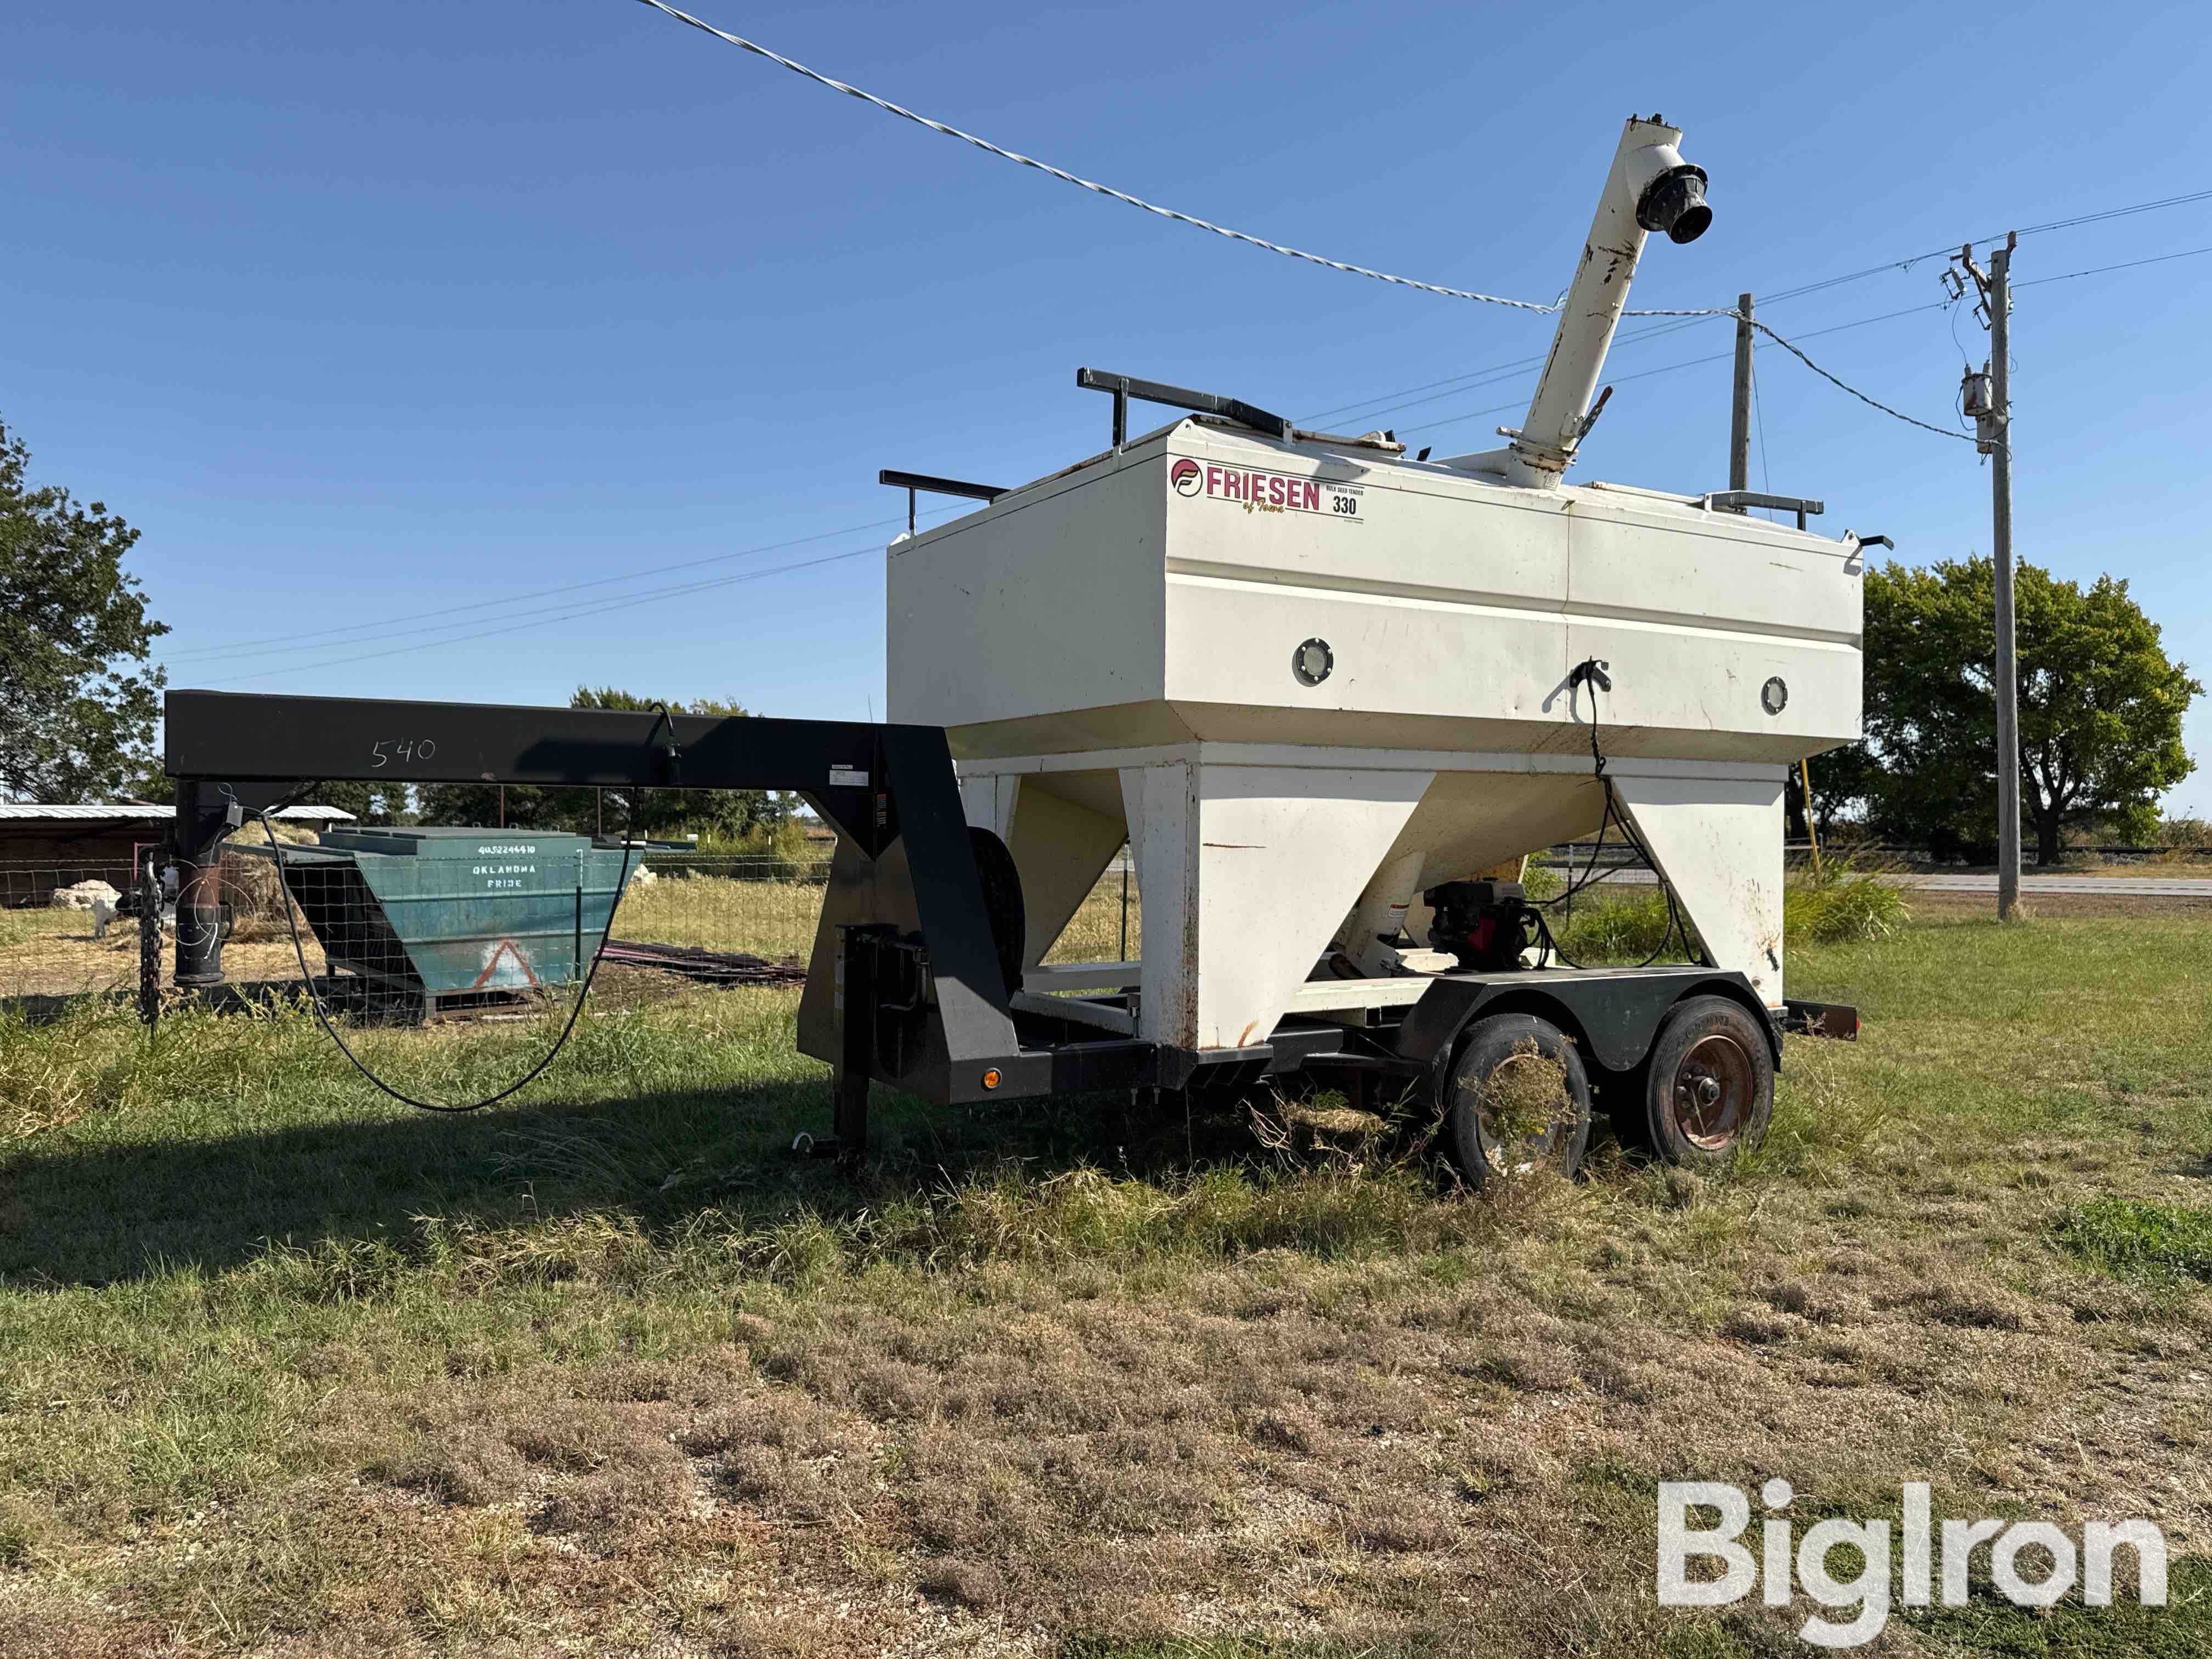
(1740, 416)
(2001, 553)
(1988, 398)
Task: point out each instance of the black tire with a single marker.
(1485, 1149)
(1708, 1084)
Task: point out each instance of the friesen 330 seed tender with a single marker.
(1329, 696)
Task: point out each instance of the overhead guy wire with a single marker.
(1061, 173)
(1687, 363)
(1872, 403)
(1066, 177)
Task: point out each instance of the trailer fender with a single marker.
(1613, 1017)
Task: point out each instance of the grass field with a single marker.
(287, 1369)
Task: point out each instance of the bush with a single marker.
(1841, 904)
(1626, 928)
(786, 853)
(2180, 835)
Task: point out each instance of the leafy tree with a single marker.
(2100, 706)
(77, 700)
(723, 814)
(371, 802)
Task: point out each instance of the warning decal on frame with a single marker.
(1257, 491)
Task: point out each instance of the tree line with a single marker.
(725, 817)
(2100, 704)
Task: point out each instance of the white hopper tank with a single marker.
(1307, 677)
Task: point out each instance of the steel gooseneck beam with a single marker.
(232, 753)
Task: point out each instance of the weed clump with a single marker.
(1842, 905)
(1522, 1099)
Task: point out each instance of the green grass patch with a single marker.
(1988, 1624)
(2132, 1236)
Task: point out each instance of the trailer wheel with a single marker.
(1708, 1085)
(1518, 1098)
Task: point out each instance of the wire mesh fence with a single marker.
(511, 922)
(26, 884)
(73, 929)
(67, 927)
(811, 866)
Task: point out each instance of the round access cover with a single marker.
(1774, 696)
(1311, 662)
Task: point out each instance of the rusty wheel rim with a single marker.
(1712, 1095)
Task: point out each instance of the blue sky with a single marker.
(382, 322)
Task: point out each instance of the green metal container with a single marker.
(456, 915)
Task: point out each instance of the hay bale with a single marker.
(252, 889)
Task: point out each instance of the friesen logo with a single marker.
(1258, 491)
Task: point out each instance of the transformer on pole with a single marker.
(1987, 397)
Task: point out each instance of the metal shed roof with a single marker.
(21, 811)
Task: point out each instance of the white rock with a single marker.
(642, 877)
(84, 895)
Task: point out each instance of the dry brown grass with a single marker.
(54, 953)
(613, 1378)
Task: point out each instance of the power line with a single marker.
(1789, 346)
(1472, 376)
(1945, 252)
(1522, 403)
(1066, 177)
(904, 114)
(291, 640)
(625, 602)
(618, 602)
(1003, 154)
(2111, 213)
(516, 628)
(1690, 363)
(2098, 271)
